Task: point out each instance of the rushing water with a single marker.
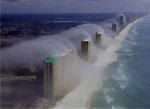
(127, 81)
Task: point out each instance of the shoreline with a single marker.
(121, 38)
(82, 95)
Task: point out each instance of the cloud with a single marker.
(74, 6)
(14, 1)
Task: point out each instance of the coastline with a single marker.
(81, 97)
(120, 38)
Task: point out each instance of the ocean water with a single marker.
(126, 82)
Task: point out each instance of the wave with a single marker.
(108, 97)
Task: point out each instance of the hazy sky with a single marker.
(74, 6)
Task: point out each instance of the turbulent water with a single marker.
(127, 81)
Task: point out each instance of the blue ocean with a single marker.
(127, 81)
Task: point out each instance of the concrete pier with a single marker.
(98, 39)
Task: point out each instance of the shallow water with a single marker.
(127, 81)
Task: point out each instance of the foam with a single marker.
(108, 97)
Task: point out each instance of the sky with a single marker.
(74, 6)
